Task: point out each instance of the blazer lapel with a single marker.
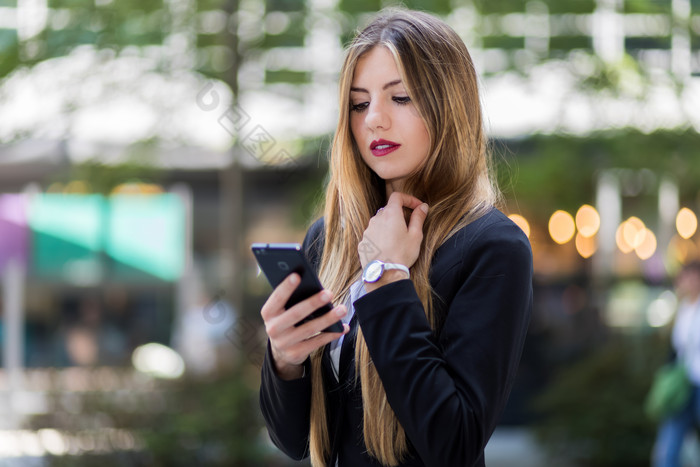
(347, 351)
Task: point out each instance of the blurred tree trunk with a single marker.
(231, 186)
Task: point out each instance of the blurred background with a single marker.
(146, 144)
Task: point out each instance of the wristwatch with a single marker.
(375, 270)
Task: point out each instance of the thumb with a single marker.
(415, 225)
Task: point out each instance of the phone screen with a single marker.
(277, 261)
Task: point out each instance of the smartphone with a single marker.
(277, 261)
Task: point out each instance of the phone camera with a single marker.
(283, 265)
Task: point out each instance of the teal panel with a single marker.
(66, 229)
(147, 233)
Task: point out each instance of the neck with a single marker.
(392, 186)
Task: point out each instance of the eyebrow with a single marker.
(384, 88)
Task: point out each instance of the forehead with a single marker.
(375, 67)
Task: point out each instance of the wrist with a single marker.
(376, 269)
(289, 372)
(286, 371)
(389, 276)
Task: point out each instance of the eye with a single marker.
(401, 100)
(359, 107)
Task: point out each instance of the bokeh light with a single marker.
(647, 247)
(686, 223)
(52, 441)
(660, 311)
(585, 246)
(521, 222)
(158, 360)
(682, 250)
(587, 220)
(633, 231)
(561, 227)
(620, 240)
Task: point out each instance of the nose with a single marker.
(377, 116)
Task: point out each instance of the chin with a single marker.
(386, 175)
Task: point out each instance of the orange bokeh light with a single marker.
(686, 223)
(587, 220)
(647, 247)
(561, 227)
(585, 246)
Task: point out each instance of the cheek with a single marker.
(356, 128)
(425, 135)
(421, 134)
(410, 120)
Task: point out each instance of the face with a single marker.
(385, 124)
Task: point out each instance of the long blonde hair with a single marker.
(455, 181)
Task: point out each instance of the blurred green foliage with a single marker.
(102, 178)
(287, 76)
(570, 6)
(499, 6)
(212, 421)
(436, 6)
(620, 77)
(9, 52)
(292, 36)
(647, 6)
(656, 42)
(208, 422)
(503, 42)
(591, 413)
(285, 5)
(559, 171)
(359, 6)
(568, 43)
(147, 22)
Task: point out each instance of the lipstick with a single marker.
(382, 147)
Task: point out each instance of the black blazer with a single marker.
(447, 388)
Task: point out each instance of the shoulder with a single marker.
(492, 237)
(492, 229)
(314, 234)
(313, 242)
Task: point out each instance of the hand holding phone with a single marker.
(279, 260)
(293, 333)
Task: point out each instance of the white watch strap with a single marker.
(397, 266)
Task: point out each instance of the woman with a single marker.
(685, 339)
(432, 282)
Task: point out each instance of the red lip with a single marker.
(382, 147)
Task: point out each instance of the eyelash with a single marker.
(403, 100)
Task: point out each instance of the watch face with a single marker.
(373, 271)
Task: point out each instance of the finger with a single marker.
(403, 199)
(318, 341)
(303, 309)
(316, 325)
(415, 225)
(274, 306)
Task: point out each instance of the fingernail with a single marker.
(294, 278)
(325, 295)
(346, 327)
(424, 208)
(340, 311)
